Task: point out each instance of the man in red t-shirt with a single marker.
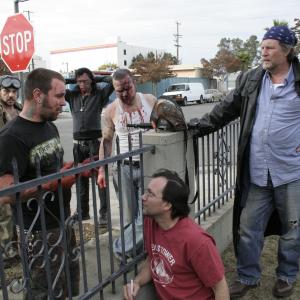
(183, 261)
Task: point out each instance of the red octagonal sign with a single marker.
(17, 43)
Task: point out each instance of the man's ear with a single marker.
(37, 95)
(167, 205)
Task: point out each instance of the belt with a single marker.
(134, 163)
(83, 142)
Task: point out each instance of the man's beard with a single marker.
(6, 104)
(47, 112)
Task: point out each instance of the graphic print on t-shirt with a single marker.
(46, 151)
(161, 264)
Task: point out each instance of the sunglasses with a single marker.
(10, 81)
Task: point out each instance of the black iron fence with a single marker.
(59, 258)
(216, 172)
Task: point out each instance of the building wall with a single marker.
(128, 52)
(92, 57)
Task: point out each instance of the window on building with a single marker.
(125, 62)
(124, 51)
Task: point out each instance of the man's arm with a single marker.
(221, 290)
(107, 90)
(141, 279)
(106, 142)
(8, 180)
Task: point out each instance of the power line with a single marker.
(177, 37)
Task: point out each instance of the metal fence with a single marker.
(216, 172)
(65, 247)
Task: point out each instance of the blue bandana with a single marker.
(282, 34)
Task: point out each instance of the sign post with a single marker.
(17, 43)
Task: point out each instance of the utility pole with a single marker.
(20, 74)
(28, 17)
(177, 37)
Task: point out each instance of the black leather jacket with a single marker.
(241, 103)
(86, 110)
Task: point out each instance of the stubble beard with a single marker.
(48, 114)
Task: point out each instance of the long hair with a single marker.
(175, 192)
(290, 49)
(89, 73)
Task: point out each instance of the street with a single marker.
(64, 124)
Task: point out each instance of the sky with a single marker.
(60, 24)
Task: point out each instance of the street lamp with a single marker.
(67, 66)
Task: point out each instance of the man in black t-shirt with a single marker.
(33, 142)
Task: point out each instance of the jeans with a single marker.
(81, 151)
(130, 185)
(260, 204)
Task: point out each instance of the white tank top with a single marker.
(123, 118)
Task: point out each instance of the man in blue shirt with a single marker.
(267, 100)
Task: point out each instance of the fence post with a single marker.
(171, 152)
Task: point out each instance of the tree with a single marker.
(110, 66)
(277, 22)
(251, 46)
(296, 29)
(173, 59)
(152, 68)
(233, 55)
(3, 68)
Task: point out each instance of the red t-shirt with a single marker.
(184, 260)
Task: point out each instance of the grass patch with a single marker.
(268, 265)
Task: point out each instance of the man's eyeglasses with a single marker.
(149, 193)
(10, 82)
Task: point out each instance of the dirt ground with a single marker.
(268, 263)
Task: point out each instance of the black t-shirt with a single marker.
(33, 144)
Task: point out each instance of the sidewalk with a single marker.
(90, 248)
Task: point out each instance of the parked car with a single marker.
(184, 93)
(66, 108)
(212, 95)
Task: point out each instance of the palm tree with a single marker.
(278, 23)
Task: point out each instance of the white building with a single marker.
(92, 57)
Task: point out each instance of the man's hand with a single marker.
(101, 178)
(66, 182)
(193, 123)
(195, 127)
(88, 173)
(5, 181)
(130, 290)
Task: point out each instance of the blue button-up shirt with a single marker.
(276, 133)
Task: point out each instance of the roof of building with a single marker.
(186, 67)
(93, 47)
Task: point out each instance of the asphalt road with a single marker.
(64, 124)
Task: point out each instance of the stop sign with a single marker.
(17, 43)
